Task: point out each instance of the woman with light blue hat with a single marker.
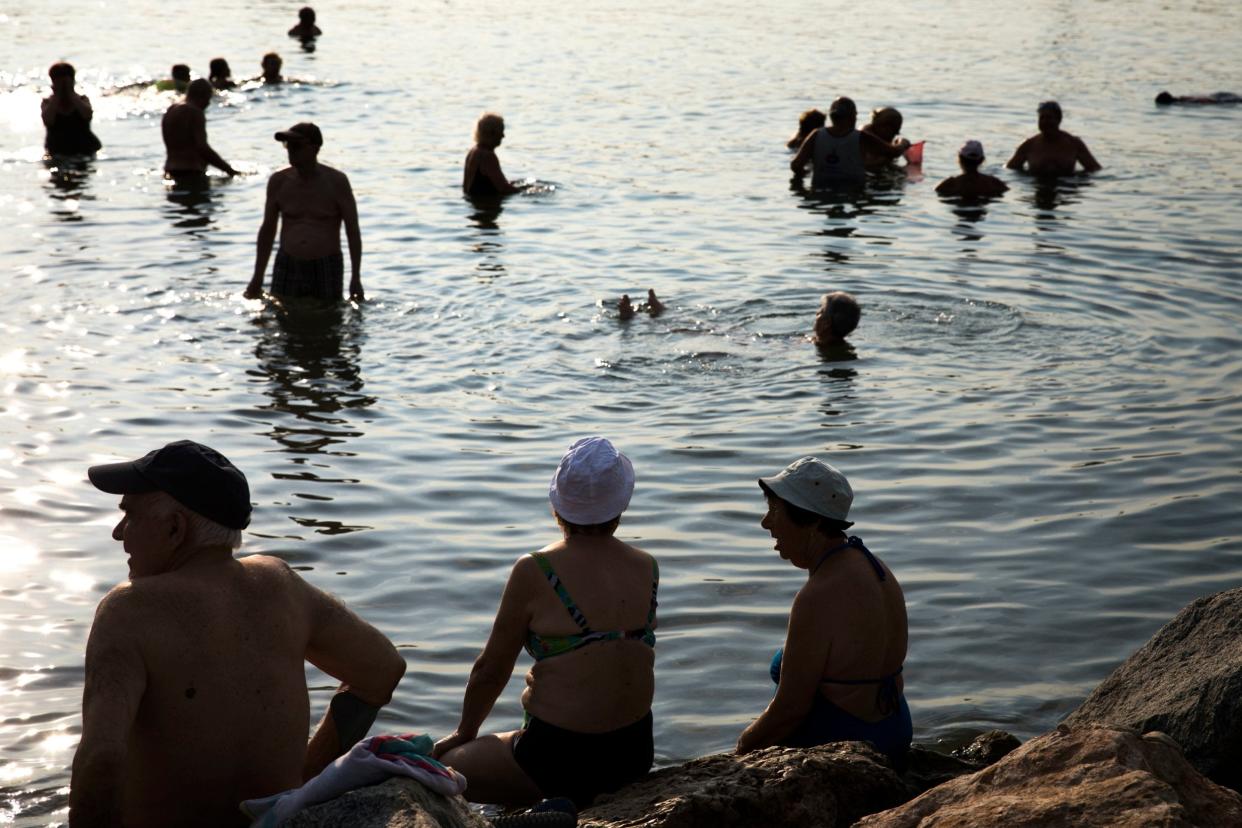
(838, 676)
(584, 608)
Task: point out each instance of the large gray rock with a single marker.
(1083, 778)
(830, 785)
(399, 802)
(1187, 682)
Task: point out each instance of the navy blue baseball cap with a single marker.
(196, 476)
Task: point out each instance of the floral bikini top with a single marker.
(541, 647)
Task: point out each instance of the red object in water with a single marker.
(914, 154)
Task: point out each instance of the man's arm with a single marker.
(1020, 155)
(204, 149)
(1086, 158)
(881, 147)
(48, 111)
(353, 236)
(494, 665)
(267, 236)
(116, 678)
(489, 165)
(798, 164)
(802, 670)
(363, 659)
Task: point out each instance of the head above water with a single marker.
(219, 68)
(306, 15)
(842, 111)
(198, 477)
(593, 483)
(970, 156)
(181, 72)
(812, 486)
(1164, 98)
(810, 121)
(1049, 116)
(271, 64)
(61, 70)
(199, 92)
(304, 132)
(886, 121)
(837, 318)
(489, 130)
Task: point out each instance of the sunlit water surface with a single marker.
(1041, 414)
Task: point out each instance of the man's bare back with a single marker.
(182, 126)
(312, 210)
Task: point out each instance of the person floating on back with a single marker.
(836, 151)
(836, 319)
(195, 695)
(305, 28)
(1165, 98)
(220, 75)
(67, 116)
(885, 124)
(179, 82)
(1053, 151)
(482, 176)
(185, 138)
(271, 64)
(808, 122)
(971, 184)
(309, 201)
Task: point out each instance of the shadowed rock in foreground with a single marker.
(1186, 682)
(1085, 777)
(399, 802)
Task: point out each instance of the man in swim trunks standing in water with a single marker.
(310, 201)
(195, 695)
(1053, 151)
(185, 137)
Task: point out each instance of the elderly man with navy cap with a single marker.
(195, 695)
(310, 202)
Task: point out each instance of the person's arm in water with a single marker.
(494, 665)
(1085, 157)
(881, 147)
(1020, 155)
(267, 236)
(353, 236)
(116, 678)
(349, 649)
(204, 149)
(799, 162)
(489, 165)
(802, 669)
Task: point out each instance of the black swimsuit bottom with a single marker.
(583, 765)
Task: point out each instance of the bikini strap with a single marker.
(559, 588)
(857, 543)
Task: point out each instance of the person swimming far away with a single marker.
(1166, 98)
(971, 184)
(481, 175)
(626, 310)
(305, 28)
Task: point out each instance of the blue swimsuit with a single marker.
(828, 723)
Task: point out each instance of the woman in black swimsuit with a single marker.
(482, 176)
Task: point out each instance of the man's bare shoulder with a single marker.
(334, 175)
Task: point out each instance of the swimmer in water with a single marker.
(836, 151)
(971, 184)
(306, 28)
(836, 319)
(652, 307)
(1053, 151)
(179, 82)
(271, 64)
(220, 75)
(185, 138)
(1165, 98)
(67, 116)
(808, 122)
(482, 176)
(885, 124)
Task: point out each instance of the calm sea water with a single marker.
(1041, 422)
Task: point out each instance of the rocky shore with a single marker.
(1159, 742)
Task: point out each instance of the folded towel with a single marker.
(369, 762)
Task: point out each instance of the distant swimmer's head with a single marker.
(199, 92)
(271, 64)
(970, 156)
(307, 15)
(1164, 98)
(181, 72)
(220, 68)
(843, 112)
(489, 131)
(886, 122)
(61, 70)
(592, 486)
(837, 318)
(810, 121)
(1049, 116)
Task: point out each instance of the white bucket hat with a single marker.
(593, 482)
(812, 484)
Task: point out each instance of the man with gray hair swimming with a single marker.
(195, 695)
(836, 319)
